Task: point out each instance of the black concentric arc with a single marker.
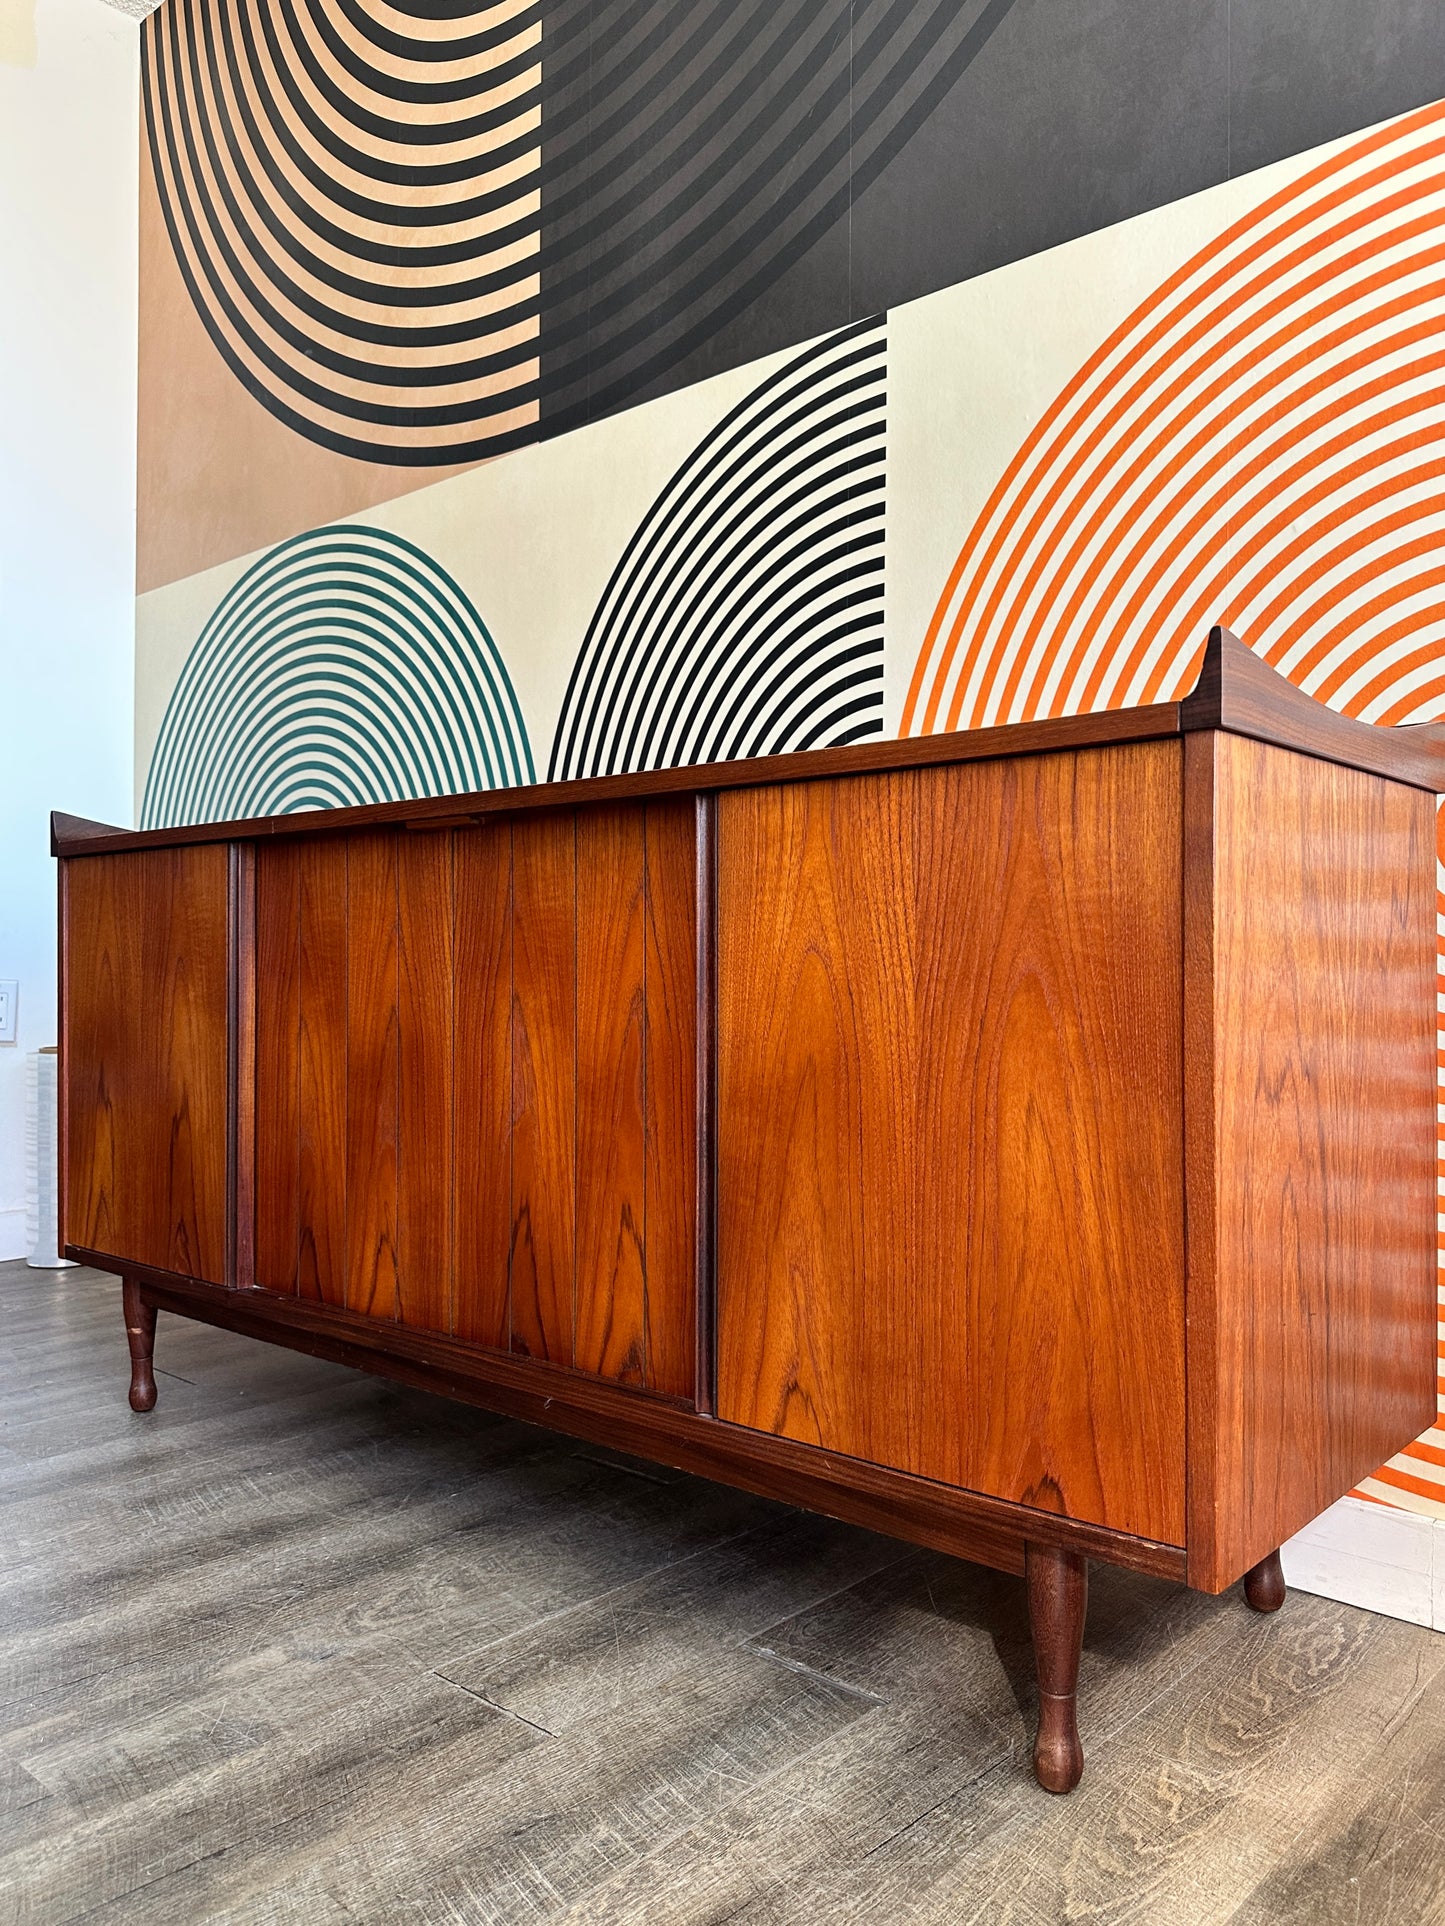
(746, 615)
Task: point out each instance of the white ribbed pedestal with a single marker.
(42, 1161)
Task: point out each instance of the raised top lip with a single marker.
(1237, 692)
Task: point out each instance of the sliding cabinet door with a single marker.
(950, 1226)
(476, 1083)
(146, 962)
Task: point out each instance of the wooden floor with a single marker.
(302, 1646)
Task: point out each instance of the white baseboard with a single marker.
(12, 1234)
(1367, 1555)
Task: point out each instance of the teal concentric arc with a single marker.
(346, 666)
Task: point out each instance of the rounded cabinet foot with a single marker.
(1058, 1588)
(140, 1335)
(1058, 1754)
(1264, 1585)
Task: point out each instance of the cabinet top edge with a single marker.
(1237, 693)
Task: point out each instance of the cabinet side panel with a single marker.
(147, 993)
(482, 1085)
(544, 1084)
(1325, 1125)
(278, 1066)
(102, 966)
(424, 1149)
(611, 1096)
(949, 1151)
(373, 1072)
(671, 1079)
(1201, 1237)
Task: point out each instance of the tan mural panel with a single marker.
(217, 476)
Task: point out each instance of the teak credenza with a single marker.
(1021, 1142)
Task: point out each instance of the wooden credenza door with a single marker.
(144, 1149)
(476, 1082)
(950, 1216)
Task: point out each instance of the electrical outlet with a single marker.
(9, 997)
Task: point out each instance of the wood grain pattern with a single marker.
(1200, 1158)
(424, 1124)
(610, 1156)
(482, 1086)
(321, 1271)
(396, 1040)
(950, 1209)
(544, 1086)
(1050, 1044)
(373, 1075)
(103, 958)
(278, 1065)
(1311, 1145)
(147, 980)
(672, 1099)
(354, 1016)
(241, 1068)
(181, 1009)
(815, 1046)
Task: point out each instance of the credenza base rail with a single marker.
(1050, 1552)
(988, 1531)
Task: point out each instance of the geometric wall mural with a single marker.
(745, 617)
(408, 238)
(343, 667)
(424, 236)
(1262, 442)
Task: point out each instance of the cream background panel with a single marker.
(972, 368)
(533, 539)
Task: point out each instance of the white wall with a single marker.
(69, 91)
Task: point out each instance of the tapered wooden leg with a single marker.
(1264, 1584)
(140, 1334)
(1058, 1584)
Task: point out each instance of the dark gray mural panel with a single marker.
(717, 154)
(978, 134)
(724, 147)
(1306, 71)
(1077, 114)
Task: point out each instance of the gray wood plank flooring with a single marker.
(303, 1646)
